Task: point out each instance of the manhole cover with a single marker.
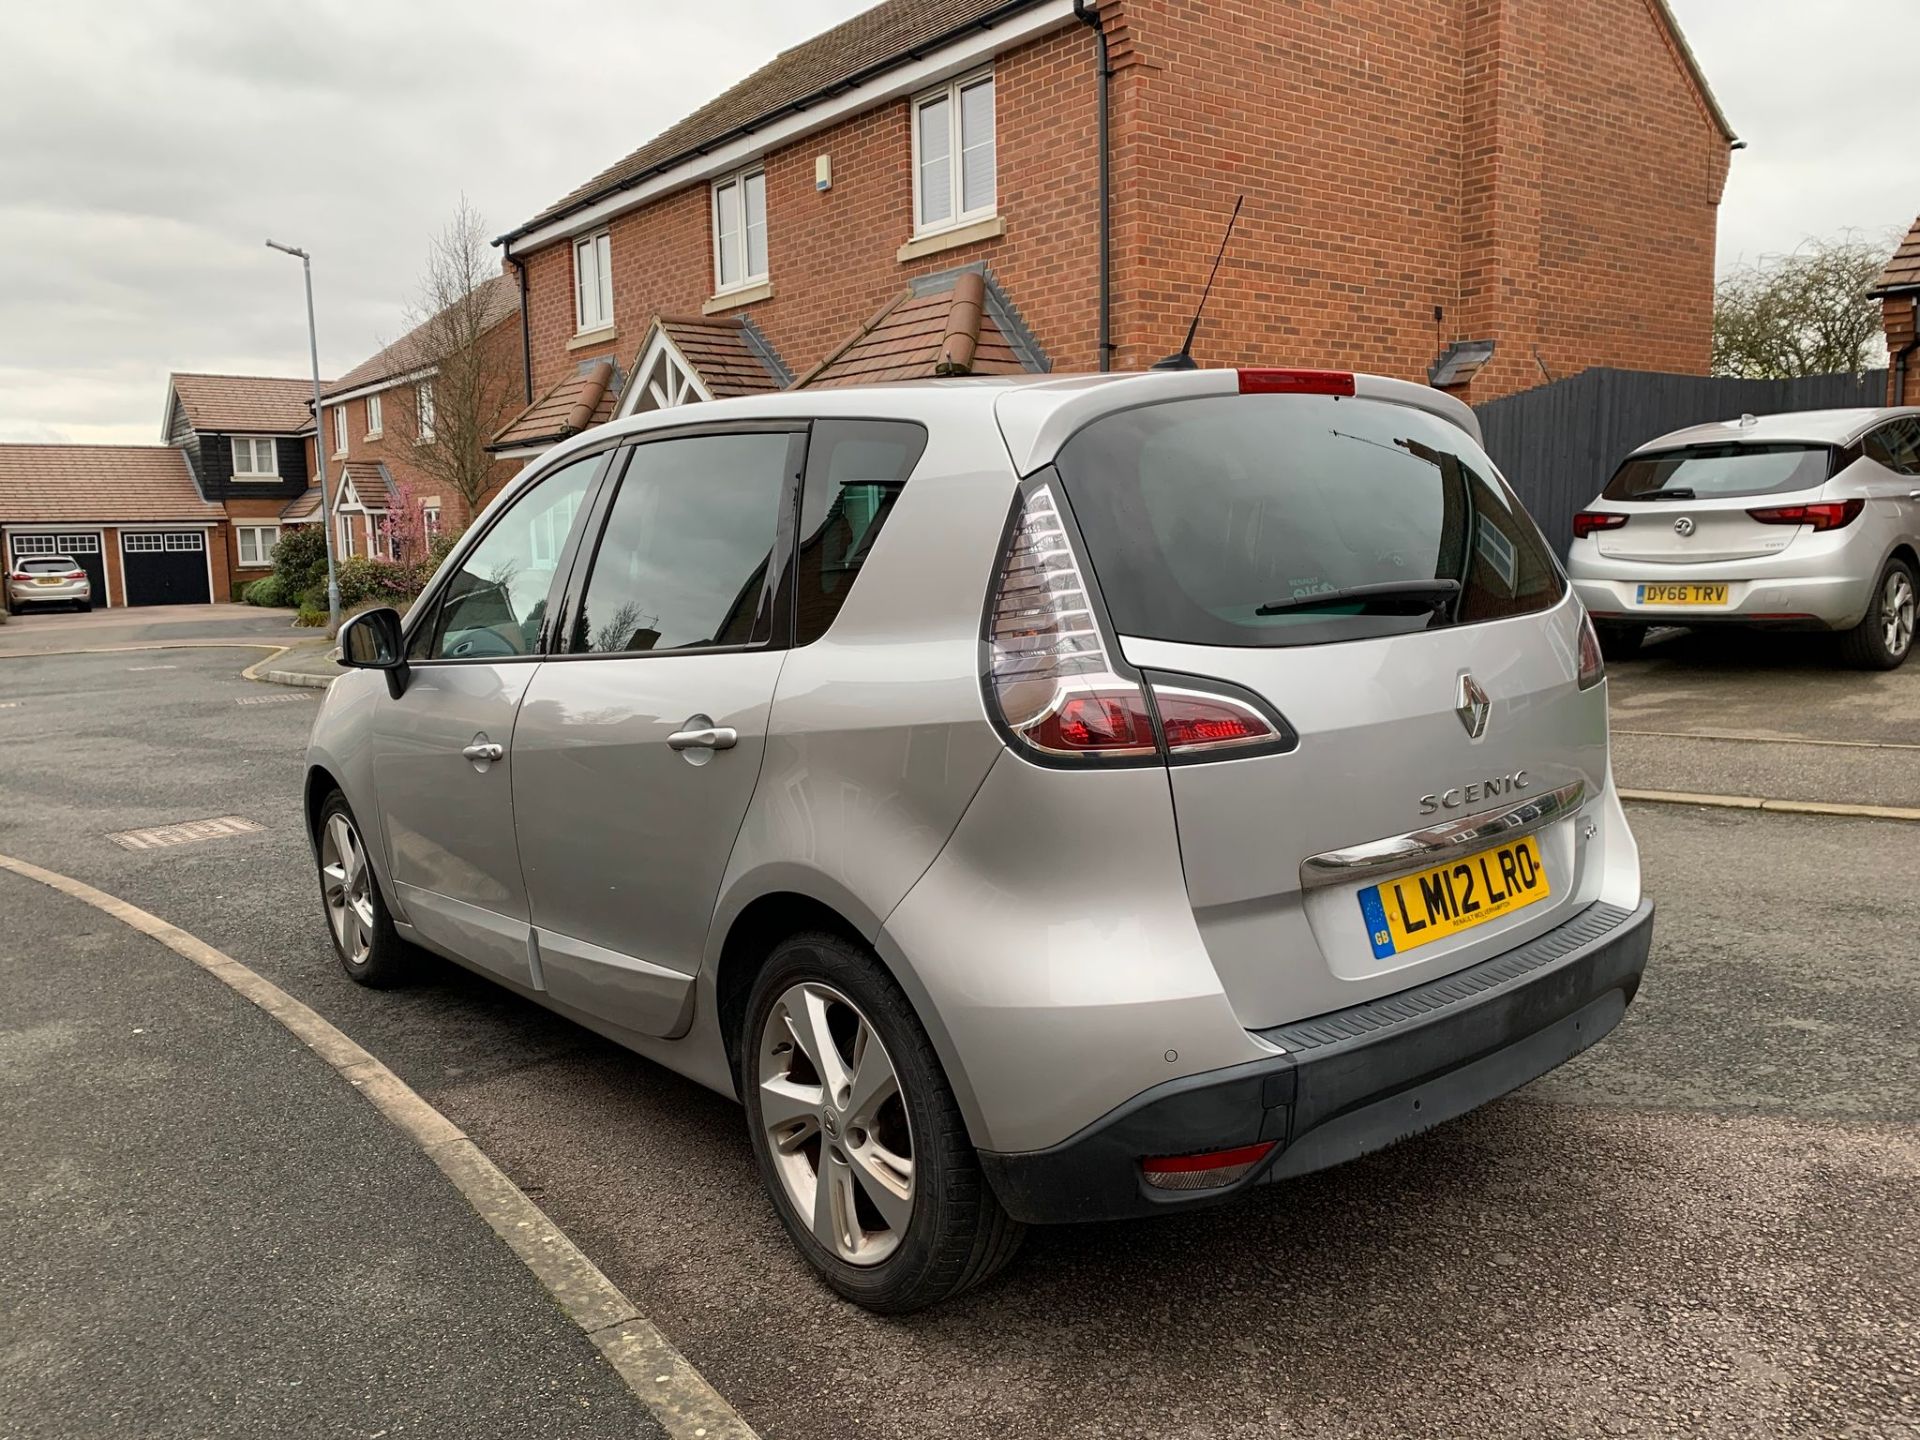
(158, 837)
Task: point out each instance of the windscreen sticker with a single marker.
(1496, 550)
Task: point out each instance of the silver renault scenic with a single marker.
(1036, 800)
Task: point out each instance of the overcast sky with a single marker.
(149, 147)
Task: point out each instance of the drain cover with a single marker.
(158, 837)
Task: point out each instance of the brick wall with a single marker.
(1898, 313)
(1543, 174)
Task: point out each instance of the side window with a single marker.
(855, 471)
(1896, 446)
(683, 561)
(493, 603)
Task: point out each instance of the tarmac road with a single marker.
(1709, 1224)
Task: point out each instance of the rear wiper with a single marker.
(1678, 492)
(1425, 594)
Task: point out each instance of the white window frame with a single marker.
(958, 215)
(748, 276)
(429, 523)
(345, 525)
(598, 247)
(262, 546)
(252, 444)
(376, 418)
(423, 412)
(339, 431)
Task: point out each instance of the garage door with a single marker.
(166, 567)
(84, 547)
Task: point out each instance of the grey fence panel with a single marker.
(1558, 444)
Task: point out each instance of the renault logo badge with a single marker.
(1683, 526)
(1473, 707)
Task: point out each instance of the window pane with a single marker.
(936, 162)
(855, 471)
(373, 415)
(249, 547)
(1722, 470)
(683, 561)
(603, 254)
(726, 202)
(242, 458)
(976, 147)
(755, 187)
(494, 602)
(1204, 517)
(586, 281)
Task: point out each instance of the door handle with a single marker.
(712, 737)
(484, 750)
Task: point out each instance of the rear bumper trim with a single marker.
(1438, 842)
(1352, 1081)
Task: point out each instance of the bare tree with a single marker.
(1805, 313)
(467, 373)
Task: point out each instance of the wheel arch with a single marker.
(321, 783)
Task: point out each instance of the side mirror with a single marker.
(372, 641)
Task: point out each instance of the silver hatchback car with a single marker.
(1036, 800)
(1806, 521)
(48, 580)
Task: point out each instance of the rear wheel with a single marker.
(370, 950)
(859, 1141)
(1884, 637)
(1620, 642)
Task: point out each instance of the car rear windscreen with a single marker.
(47, 565)
(1253, 520)
(1707, 472)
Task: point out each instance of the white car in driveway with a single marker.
(1807, 521)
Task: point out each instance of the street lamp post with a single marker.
(319, 441)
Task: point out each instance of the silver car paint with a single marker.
(1039, 920)
(1768, 569)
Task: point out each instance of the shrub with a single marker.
(300, 561)
(268, 590)
(385, 581)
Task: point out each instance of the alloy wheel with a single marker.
(834, 1120)
(1897, 612)
(346, 883)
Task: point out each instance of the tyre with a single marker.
(370, 950)
(1620, 642)
(1884, 637)
(859, 1140)
(85, 607)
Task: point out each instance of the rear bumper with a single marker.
(50, 594)
(1819, 582)
(1351, 1082)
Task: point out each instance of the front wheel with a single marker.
(859, 1140)
(370, 950)
(1884, 637)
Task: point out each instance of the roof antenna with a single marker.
(1184, 359)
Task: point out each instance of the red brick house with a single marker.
(1898, 291)
(1538, 178)
(380, 414)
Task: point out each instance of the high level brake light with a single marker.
(1059, 692)
(1295, 382)
(1820, 514)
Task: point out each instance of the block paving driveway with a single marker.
(1710, 1224)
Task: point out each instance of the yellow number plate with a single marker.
(1683, 595)
(1447, 899)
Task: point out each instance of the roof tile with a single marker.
(500, 298)
(98, 483)
(1903, 270)
(556, 413)
(917, 337)
(245, 404)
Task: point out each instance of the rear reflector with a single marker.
(1296, 382)
(1203, 1172)
(1821, 514)
(1588, 521)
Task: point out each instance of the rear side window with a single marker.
(856, 470)
(1706, 472)
(1896, 446)
(1298, 520)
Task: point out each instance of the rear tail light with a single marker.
(1593, 665)
(1058, 691)
(1203, 1172)
(74, 575)
(1049, 672)
(1820, 514)
(1588, 521)
(1295, 382)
